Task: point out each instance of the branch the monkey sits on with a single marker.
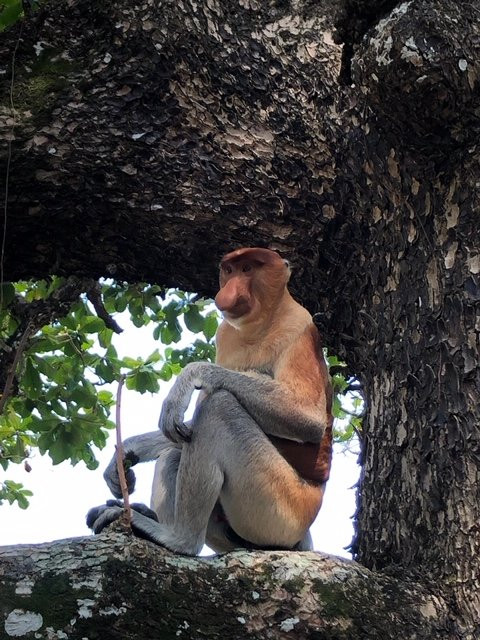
(250, 468)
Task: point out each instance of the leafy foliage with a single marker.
(14, 492)
(61, 404)
(10, 12)
(348, 405)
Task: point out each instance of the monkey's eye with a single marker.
(246, 267)
(287, 264)
(227, 268)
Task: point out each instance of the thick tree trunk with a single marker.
(117, 586)
(417, 308)
(150, 137)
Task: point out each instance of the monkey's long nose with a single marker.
(231, 296)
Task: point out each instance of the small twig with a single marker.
(354, 387)
(95, 297)
(120, 455)
(359, 434)
(353, 414)
(13, 369)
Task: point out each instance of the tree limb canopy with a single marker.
(419, 70)
(117, 586)
(136, 120)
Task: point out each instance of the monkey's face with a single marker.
(252, 280)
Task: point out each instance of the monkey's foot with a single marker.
(144, 525)
(102, 516)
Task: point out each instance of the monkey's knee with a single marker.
(219, 404)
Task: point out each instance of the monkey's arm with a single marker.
(279, 408)
(141, 448)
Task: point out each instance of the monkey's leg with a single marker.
(230, 460)
(165, 483)
(217, 536)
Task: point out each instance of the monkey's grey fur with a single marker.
(221, 472)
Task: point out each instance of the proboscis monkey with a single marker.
(250, 469)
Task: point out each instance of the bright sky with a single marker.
(63, 494)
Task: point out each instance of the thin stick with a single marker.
(13, 369)
(119, 454)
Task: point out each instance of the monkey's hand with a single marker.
(100, 517)
(172, 418)
(111, 474)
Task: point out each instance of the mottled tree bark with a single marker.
(136, 122)
(119, 587)
(149, 138)
(417, 302)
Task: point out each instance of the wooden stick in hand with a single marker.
(119, 454)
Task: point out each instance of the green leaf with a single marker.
(7, 289)
(69, 322)
(106, 371)
(105, 338)
(84, 397)
(14, 492)
(93, 324)
(337, 408)
(170, 333)
(44, 344)
(142, 381)
(89, 459)
(59, 451)
(120, 303)
(194, 321)
(140, 320)
(167, 371)
(132, 363)
(334, 361)
(10, 15)
(357, 402)
(22, 500)
(211, 325)
(340, 384)
(44, 425)
(176, 369)
(31, 381)
(153, 357)
(105, 397)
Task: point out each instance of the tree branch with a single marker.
(94, 295)
(107, 583)
(13, 368)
